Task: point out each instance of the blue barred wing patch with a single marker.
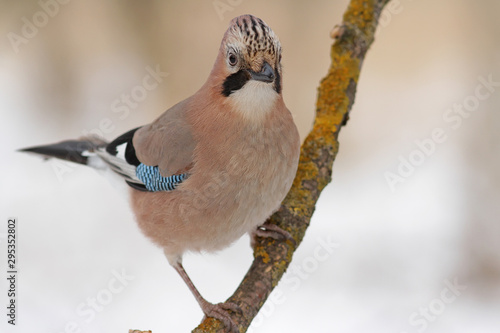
(154, 182)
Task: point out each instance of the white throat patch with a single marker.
(254, 100)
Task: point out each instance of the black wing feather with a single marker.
(130, 155)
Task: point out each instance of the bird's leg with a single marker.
(217, 311)
(269, 230)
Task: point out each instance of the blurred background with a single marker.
(406, 238)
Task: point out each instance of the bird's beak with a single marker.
(265, 75)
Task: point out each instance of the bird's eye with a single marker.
(232, 59)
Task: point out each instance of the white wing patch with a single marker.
(117, 163)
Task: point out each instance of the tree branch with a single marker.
(335, 98)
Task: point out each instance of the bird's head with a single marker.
(248, 68)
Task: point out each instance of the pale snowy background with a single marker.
(392, 251)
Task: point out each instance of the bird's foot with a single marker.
(219, 311)
(269, 230)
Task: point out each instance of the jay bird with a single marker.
(214, 166)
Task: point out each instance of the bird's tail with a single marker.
(115, 160)
(77, 151)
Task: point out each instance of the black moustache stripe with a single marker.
(235, 82)
(277, 82)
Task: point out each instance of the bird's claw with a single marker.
(269, 230)
(230, 306)
(219, 311)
